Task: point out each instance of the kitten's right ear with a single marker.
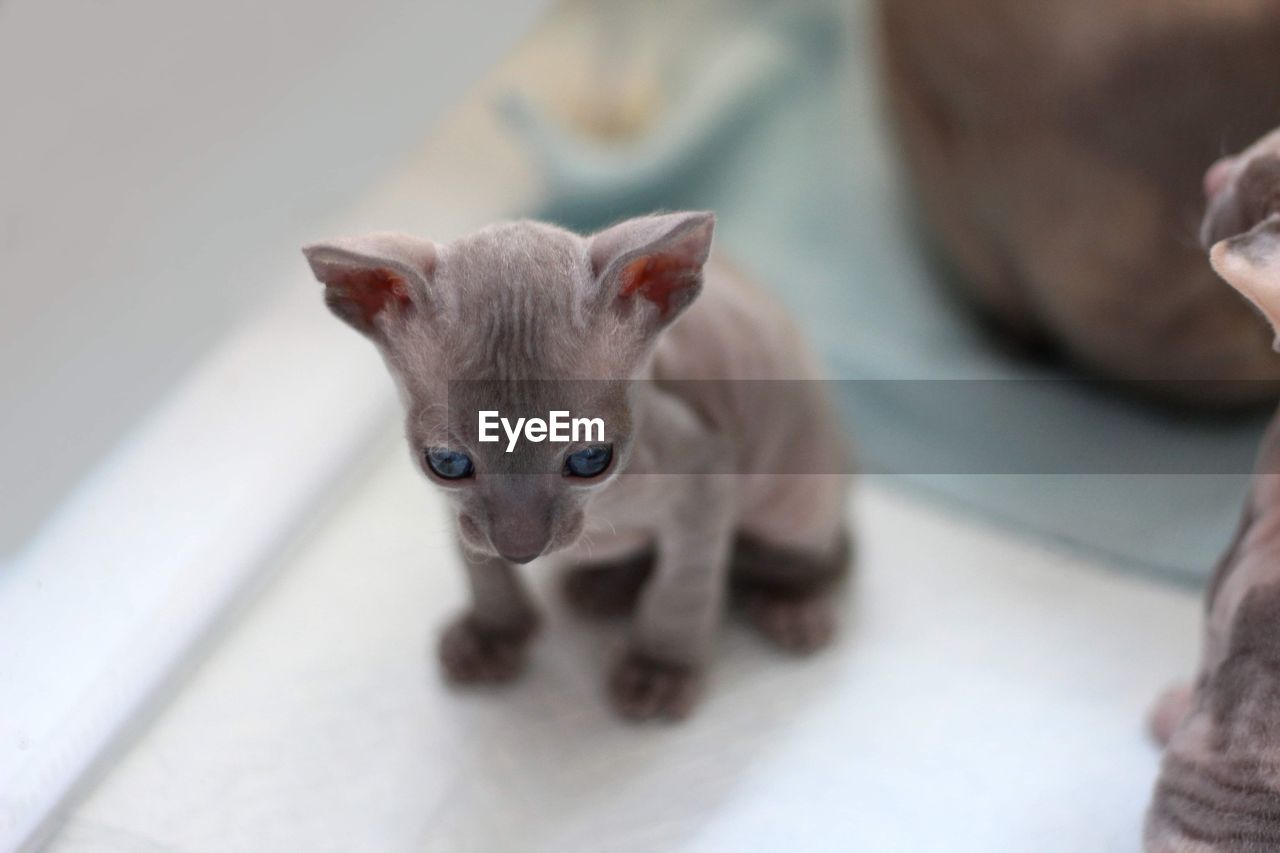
(1250, 263)
(374, 279)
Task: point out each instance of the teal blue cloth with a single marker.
(799, 168)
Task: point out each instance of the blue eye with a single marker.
(449, 464)
(590, 462)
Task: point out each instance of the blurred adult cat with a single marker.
(1056, 150)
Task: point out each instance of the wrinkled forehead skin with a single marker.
(513, 303)
(513, 334)
(605, 399)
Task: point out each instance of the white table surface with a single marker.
(129, 571)
(985, 694)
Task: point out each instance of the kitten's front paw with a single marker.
(473, 654)
(643, 688)
(801, 625)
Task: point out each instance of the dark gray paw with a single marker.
(472, 654)
(798, 624)
(642, 688)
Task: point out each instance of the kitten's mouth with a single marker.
(520, 559)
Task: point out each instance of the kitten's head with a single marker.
(1242, 225)
(523, 319)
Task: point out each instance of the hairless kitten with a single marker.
(696, 483)
(1219, 786)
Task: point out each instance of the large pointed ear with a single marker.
(650, 268)
(375, 278)
(1250, 263)
(1242, 191)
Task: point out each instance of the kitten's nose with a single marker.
(519, 539)
(520, 520)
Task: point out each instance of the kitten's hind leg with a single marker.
(787, 592)
(608, 589)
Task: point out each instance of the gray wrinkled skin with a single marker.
(1219, 784)
(695, 465)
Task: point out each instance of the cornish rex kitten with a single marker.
(1219, 786)
(695, 482)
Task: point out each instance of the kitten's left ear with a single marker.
(1251, 264)
(650, 268)
(374, 279)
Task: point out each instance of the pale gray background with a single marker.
(154, 156)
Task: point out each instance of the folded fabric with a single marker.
(783, 137)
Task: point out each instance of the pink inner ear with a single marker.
(1218, 177)
(655, 278)
(367, 292)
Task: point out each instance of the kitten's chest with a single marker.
(624, 518)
